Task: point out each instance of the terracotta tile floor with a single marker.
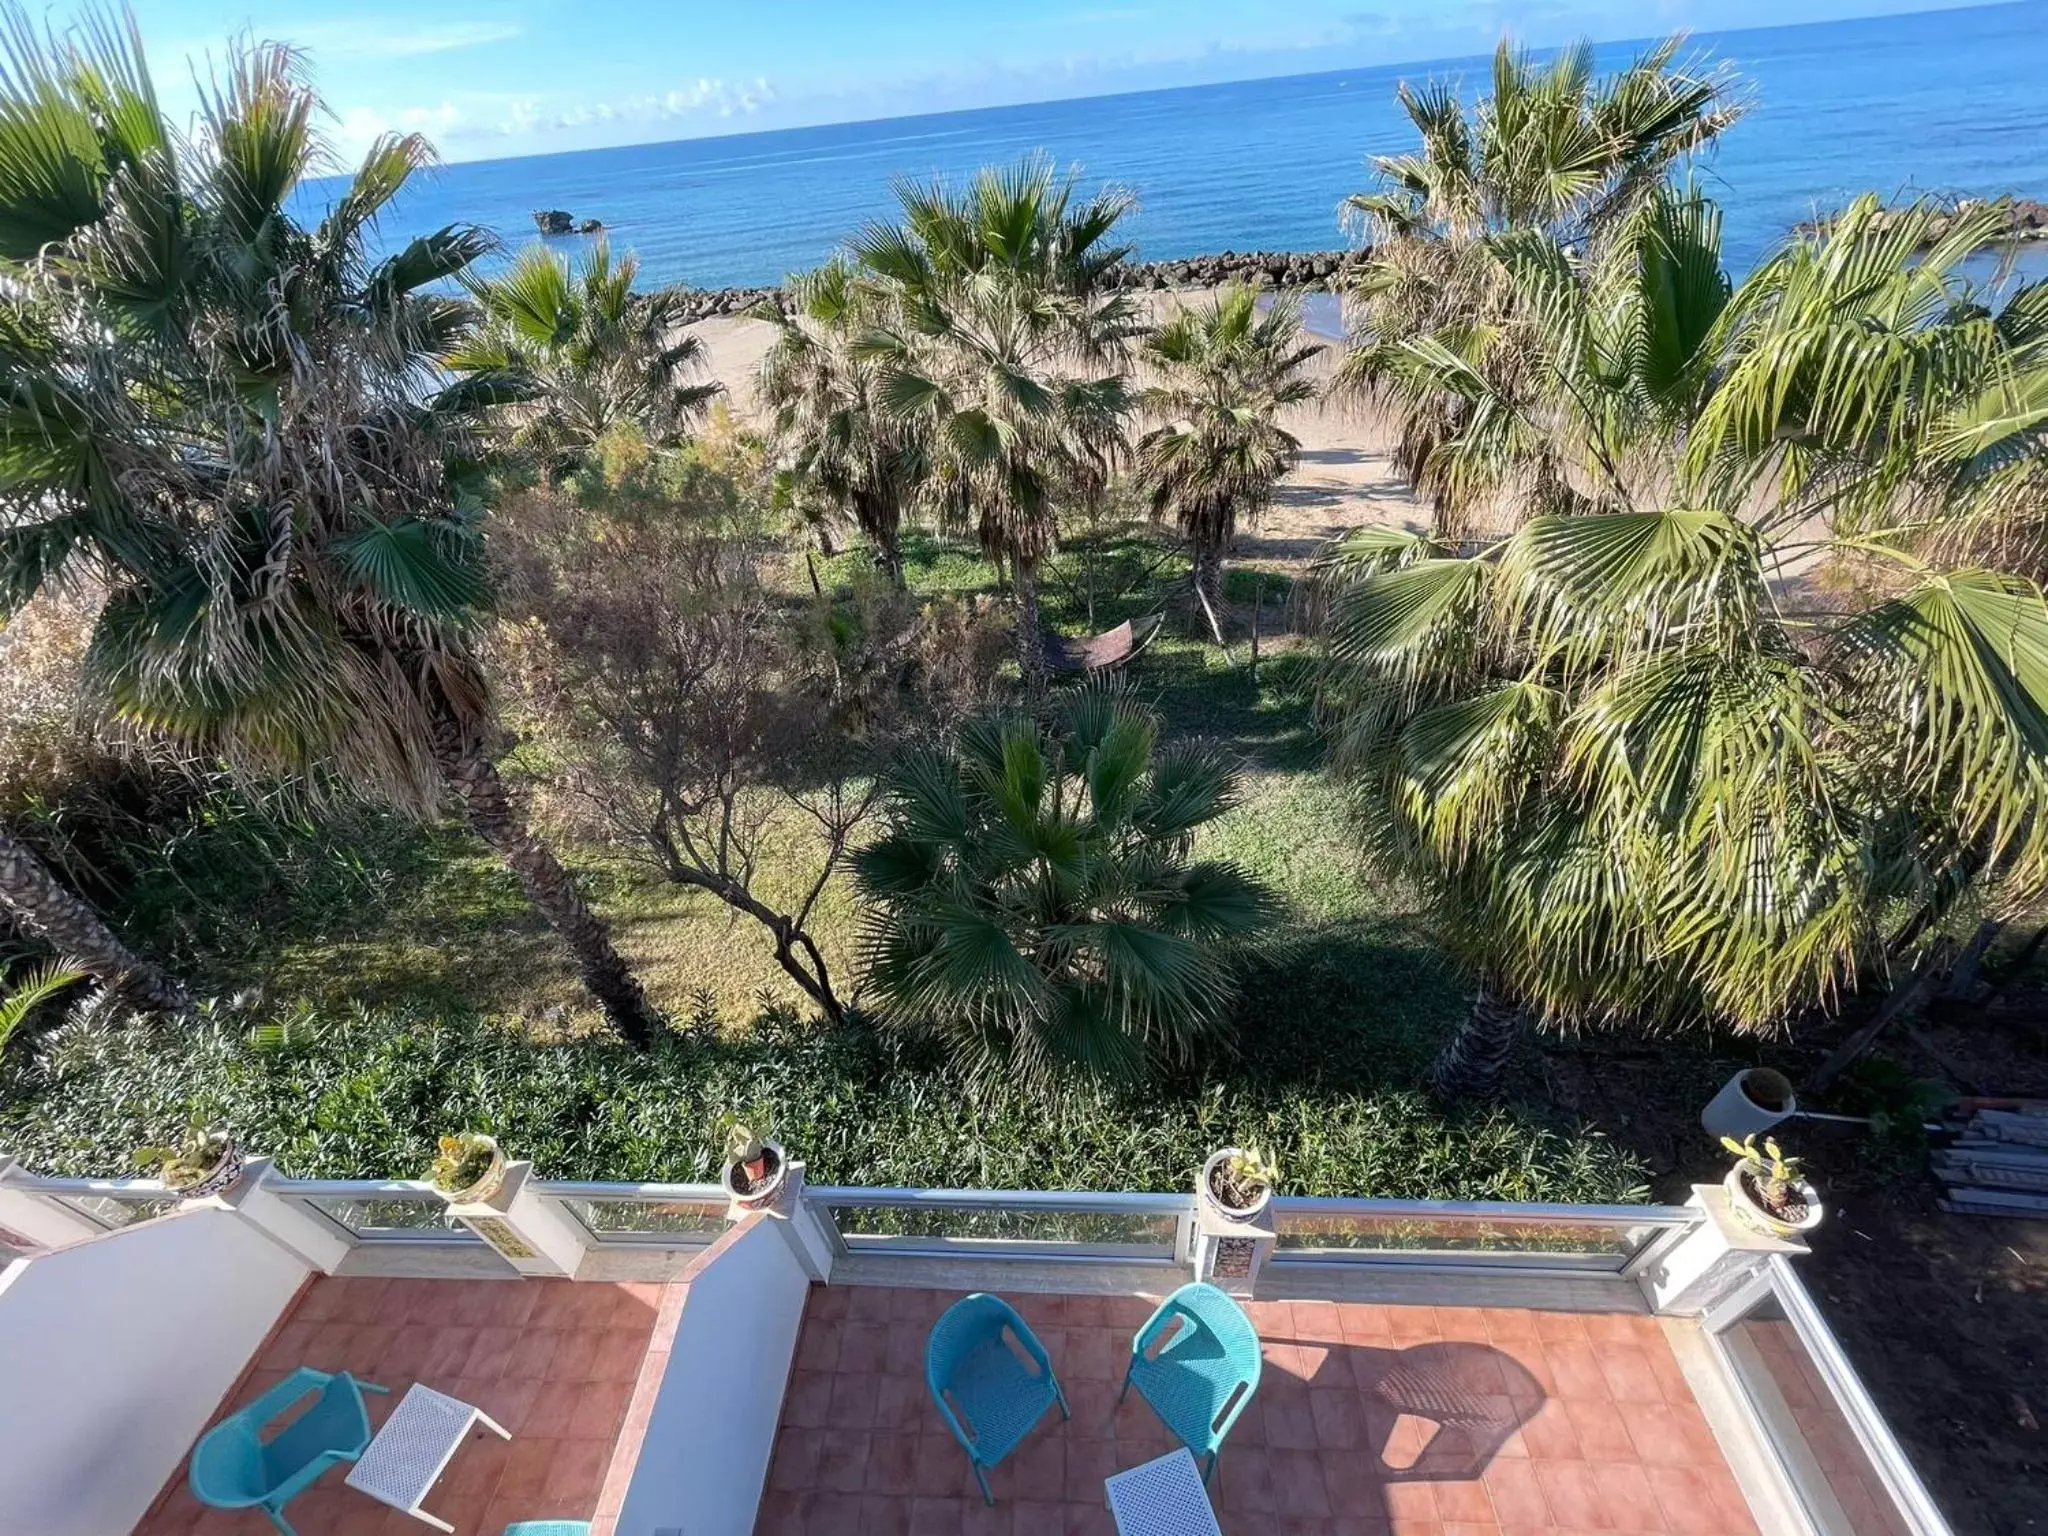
(1562, 1422)
(1817, 1419)
(551, 1360)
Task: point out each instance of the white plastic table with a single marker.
(1162, 1498)
(413, 1448)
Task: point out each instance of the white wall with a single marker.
(114, 1353)
(705, 1458)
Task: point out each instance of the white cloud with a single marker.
(360, 127)
(386, 42)
(705, 97)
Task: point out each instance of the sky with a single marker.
(490, 79)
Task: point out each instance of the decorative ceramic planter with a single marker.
(759, 1194)
(1749, 1103)
(1207, 1192)
(1750, 1211)
(219, 1179)
(487, 1184)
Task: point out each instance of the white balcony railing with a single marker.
(1838, 1457)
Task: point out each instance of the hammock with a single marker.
(1111, 648)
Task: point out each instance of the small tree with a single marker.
(1223, 374)
(829, 424)
(689, 720)
(1035, 898)
(590, 354)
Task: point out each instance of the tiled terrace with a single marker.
(567, 1367)
(1369, 1420)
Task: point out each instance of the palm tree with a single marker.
(1224, 374)
(822, 392)
(233, 425)
(1554, 149)
(37, 900)
(1000, 349)
(29, 992)
(1034, 897)
(1640, 775)
(592, 354)
(1577, 391)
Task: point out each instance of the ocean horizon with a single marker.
(1948, 102)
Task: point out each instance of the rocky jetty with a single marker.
(710, 303)
(1271, 269)
(559, 221)
(2026, 219)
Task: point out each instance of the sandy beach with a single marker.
(1345, 479)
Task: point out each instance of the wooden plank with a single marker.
(1998, 1201)
(1970, 1208)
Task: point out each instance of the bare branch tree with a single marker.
(694, 711)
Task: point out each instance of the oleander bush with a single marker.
(365, 1095)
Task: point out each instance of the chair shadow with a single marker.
(1449, 1386)
(1437, 1412)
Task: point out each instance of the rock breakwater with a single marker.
(1271, 269)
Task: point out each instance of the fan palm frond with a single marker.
(1034, 902)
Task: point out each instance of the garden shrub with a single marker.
(365, 1095)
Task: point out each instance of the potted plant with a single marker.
(754, 1164)
(468, 1168)
(1750, 1103)
(1766, 1191)
(1239, 1181)
(203, 1163)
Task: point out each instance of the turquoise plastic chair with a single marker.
(548, 1528)
(968, 1361)
(1200, 1379)
(233, 1467)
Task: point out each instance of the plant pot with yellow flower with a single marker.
(1238, 1182)
(203, 1164)
(469, 1168)
(1768, 1193)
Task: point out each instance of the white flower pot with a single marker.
(1750, 1211)
(1208, 1194)
(762, 1195)
(1749, 1103)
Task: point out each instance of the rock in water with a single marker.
(590, 227)
(554, 221)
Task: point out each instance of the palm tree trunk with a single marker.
(1469, 1067)
(1209, 587)
(42, 905)
(1030, 637)
(467, 766)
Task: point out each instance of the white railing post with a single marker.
(1228, 1251)
(1715, 1258)
(806, 1226)
(45, 1221)
(526, 1227)
(286, 1222)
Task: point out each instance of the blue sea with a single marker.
(1951, 101)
